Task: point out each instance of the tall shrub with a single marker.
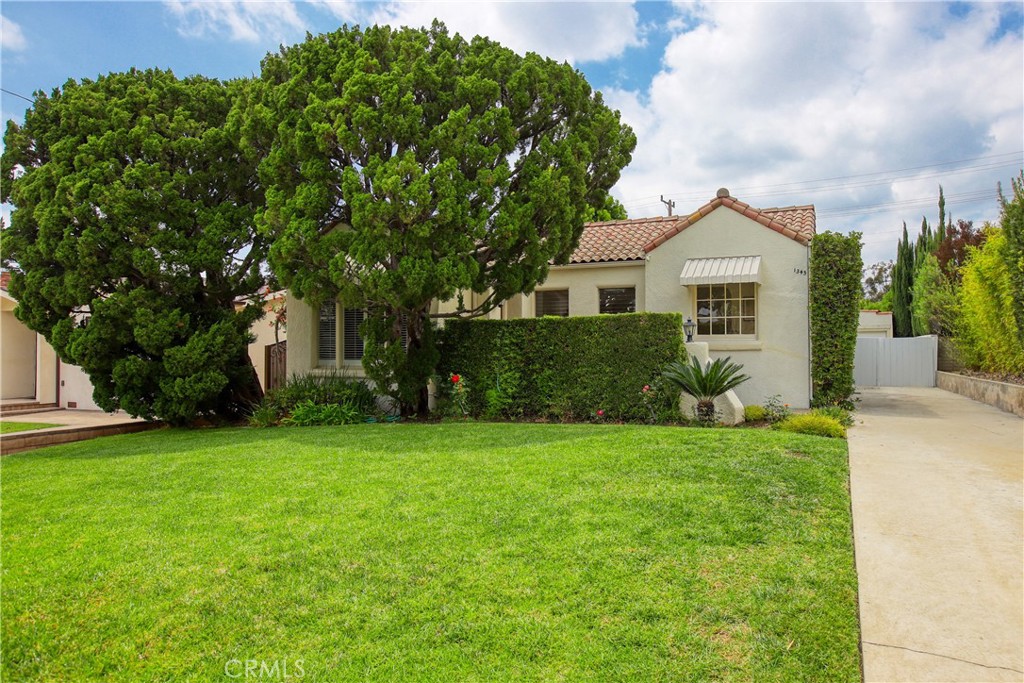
(835, 303)
(562, 368)
(987, 337)
(934, 301)
(902, 287)
(1013, 227)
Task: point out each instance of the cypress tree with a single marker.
(902, 287)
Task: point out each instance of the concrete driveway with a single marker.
(936, 481)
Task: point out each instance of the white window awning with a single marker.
(720, 271)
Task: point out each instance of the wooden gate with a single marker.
(906, 362)
(276, 365)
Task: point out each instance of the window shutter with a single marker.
(353, 340)
(617, 300)
(553, 302)
(327, 334)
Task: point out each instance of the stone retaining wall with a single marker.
(1002, 395)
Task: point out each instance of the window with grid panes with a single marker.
(727, 310)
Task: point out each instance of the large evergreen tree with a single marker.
(133, 238)
(903, 287)
(406, 166)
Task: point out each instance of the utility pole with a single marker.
(670, 204)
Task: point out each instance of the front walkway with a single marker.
(936, 482)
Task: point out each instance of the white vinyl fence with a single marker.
(905, 362)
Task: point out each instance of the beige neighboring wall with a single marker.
(583, 281)
(18, 352)
(28, 364)
(875, 324)
(778, 361)
(263, 330)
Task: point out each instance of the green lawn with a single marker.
(431, 552)
(8, 426)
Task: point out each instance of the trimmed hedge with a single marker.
(563, 368)
(835, 291)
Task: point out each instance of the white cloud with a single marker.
(239, 20)
(572, 31)
(754, 96)
(11, 36)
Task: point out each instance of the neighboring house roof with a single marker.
(632, 240)
(5, 280)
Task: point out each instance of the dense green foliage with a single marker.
(814, 424)
(840, 415)
(132, 237)
(704, 383)
(987, 337)
(405, 167)
(835, 290)
(903, 287)
(333, 394)
(933, 304)
(911, 258)
(1012, 222)
(431, 552)
(563, 368)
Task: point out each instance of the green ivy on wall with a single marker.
(562, 368)
(835, 291)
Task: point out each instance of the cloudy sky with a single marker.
(862, 109)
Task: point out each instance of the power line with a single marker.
(862, 180)
(17, 95)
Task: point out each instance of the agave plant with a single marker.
(705, 383)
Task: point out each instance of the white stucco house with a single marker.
(875, 324)
(741, 273)
(30, 370)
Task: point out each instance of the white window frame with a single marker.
(340, 352)
(740, 312)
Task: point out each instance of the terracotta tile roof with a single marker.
(619, 240)
(5, 278)
(630, 240)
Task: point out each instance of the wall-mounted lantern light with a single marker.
(689, 327)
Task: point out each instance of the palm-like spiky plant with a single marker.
(705, 383)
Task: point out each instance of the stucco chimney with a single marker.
(722, 193)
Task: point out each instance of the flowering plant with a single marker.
(460, 393)
(649, 395)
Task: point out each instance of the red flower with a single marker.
(647, 387)
(455, 379)
(600, 413)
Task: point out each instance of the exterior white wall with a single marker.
(75, 388)
(302, 347)
(778, 360)
(28, 364)
(18, 354)
(583, 282)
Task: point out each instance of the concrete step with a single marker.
(23, 408)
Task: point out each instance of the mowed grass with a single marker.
(431, 552)
(8, 426)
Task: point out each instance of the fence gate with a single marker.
(904, 362)
(276, 364)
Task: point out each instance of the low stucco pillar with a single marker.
(728, 405)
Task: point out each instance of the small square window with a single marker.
(617, 300)
(552, 302)
(726, 310)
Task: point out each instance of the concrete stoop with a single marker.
(10, 409)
